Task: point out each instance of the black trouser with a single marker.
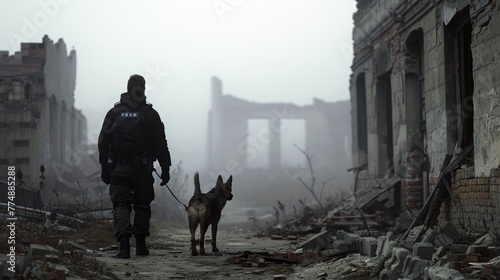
(130, 187)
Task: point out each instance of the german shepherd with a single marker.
(205, 209)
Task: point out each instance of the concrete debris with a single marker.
(419, 252)
(320, 241)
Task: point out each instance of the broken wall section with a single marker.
(265, 158)
(39, 120)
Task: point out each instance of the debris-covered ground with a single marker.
(365, 236)
(75, 251)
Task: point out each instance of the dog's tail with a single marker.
(197, 188)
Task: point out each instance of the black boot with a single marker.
(124, 248)
(140, 246)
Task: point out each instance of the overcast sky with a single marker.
(262, 50)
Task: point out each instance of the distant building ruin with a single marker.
(260, 142)
(38, 122)
(425, 85)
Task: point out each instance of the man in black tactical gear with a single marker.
(131, 138)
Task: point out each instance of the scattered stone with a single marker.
(259, 271)
(486, 240)
(423, 250)
(369, 246)
(261, 262)
(279, 277)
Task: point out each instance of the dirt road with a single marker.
(170, 258)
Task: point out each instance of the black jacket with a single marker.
(157, 145)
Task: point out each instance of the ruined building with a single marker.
(261, 144)
(425, 85)
(38, 122)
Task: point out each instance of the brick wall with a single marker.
(474, 207)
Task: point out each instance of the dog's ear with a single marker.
(230, 180)
(219, 180)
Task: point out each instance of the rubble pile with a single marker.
(53, 251)
(369, 226)
(440, 253)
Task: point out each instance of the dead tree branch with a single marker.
(310, 187)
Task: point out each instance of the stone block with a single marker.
(319, 241)
(459, 248)
(477, 249)
(486, 240)
(414, 267)
(390, 236)
(369, 246)
(440, 251)
(388, 246)
(341, 245)
(423, 250)
(352, 238)
(442, 273)
(398, 257)
(380, 245)
(42, 250)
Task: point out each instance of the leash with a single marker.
(185, 206)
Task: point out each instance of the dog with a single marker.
(205, 209)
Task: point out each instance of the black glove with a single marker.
(105, 174)
(165, 177)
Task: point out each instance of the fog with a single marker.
(263, 51)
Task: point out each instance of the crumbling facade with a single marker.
(262, 143)
(38, 122)
(423, 86)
